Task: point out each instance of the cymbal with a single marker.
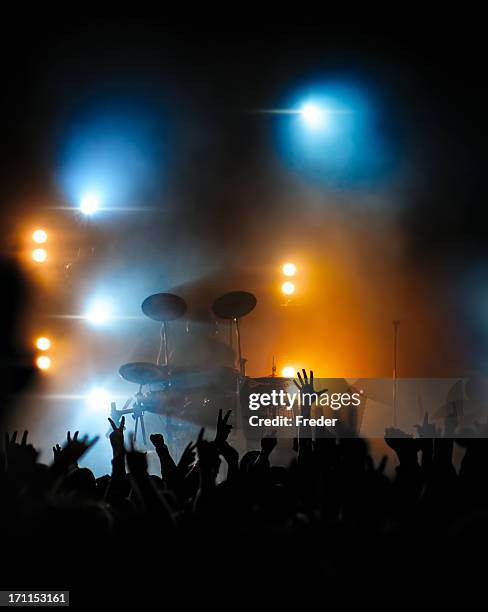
(234, 305)
(142, 372)
(164, 307)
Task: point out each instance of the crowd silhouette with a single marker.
(332, 508)
(330, 521)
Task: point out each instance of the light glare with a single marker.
(99, 313)
(43, 344)
(90, 203)
(288, 288)
(289, 269)
(288, 372)
(98, 399)
(43, 362)
(313, 115)
(39, 255)
(39, 236)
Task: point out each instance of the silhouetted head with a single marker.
(81, 483)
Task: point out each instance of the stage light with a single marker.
(90, 203)
(289, 269)
(288, 372)
(331, 133)
(99, 400)
(43, 344)
(43, 362)
(288, 288)
(39, 236)
(99, 312)
(313, 115)
(39, 255)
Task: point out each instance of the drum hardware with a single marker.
(233, 306)
(163, 307)
(192, 385)
(142, 373)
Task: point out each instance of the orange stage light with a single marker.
(43, 343)
(39, 236)
(288, 288)
(289, 269)
(288, 372)
(39, 255)
(43, 362)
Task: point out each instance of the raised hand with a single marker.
(223, 427)
(405, 446)
(208, 454)
(116, 437)
(56, 451)
(399, 441)
(268, 443)
(57, 448)
(20, 457)
(136, 460)
(306, 389)
(305, 384)
(158, 442)
(73, 450)
(187, 458)
(426, 429)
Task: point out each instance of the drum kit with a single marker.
(172, 391)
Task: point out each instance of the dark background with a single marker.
(430, 67)
(202, 70)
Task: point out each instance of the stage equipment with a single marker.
(161, 307)
(141, 373)
(164, 307)
(233, 306)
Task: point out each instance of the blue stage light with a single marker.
(99, 312)
(90, 203)
(313, 115)
(98, 400)
(111, 157)
(332, 133)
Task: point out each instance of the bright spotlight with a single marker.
(43, 362)
(289, 269)
(99, 400)
(313, 115)
(288, 288)
(39, 236)
(90, 203)
(99, 313)
(288, 372)
(43, 344)
(39, 255)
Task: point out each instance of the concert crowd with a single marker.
(215, 523)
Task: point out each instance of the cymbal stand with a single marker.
(138, 416)
(163, 344)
